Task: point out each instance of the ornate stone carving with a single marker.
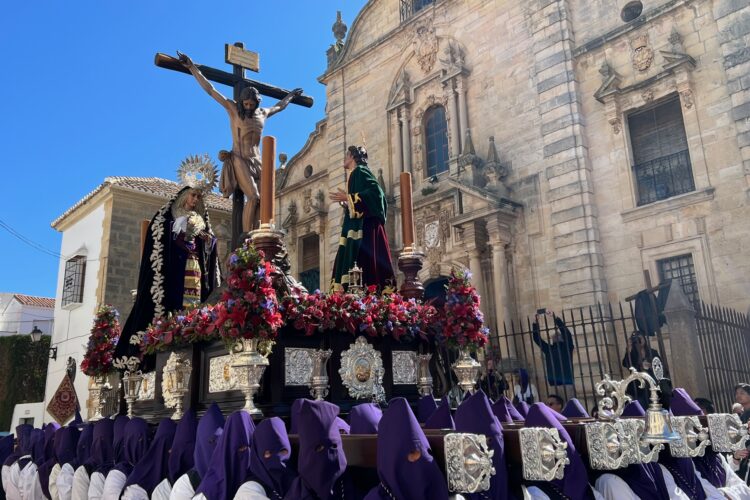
(307, 204)
(647, 96)
(362, 371)
(404, 367)
(610, 81)
(298, 366)
(642, 55)
(687, 98)
(616, 124)
(468, 463)
(220, 375)
(453, 57)
(425, 46)
(432, 234)
(146, 393)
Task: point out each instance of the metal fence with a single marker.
(724, 336)
(601, 336)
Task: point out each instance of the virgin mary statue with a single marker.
(179, 267)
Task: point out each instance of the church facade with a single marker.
(558, 148)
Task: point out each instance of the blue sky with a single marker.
(80, 100)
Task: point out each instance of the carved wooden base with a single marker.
(410, 263)
(269, 240)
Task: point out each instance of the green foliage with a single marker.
(23, 373)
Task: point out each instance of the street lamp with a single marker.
(36, 336)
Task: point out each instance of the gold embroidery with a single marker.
(354, 235)
(352, 199)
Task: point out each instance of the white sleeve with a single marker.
(179, 225)
(5, 476)
(113, 484)
(134, 492)
(200, 496)
(28, 483)
(612, 487)
(162, 490)
(734, 487)
(250, 490)
(96, 486)
(597, 495)
(182, 489)
(52, 484)
(711, 491)
(80, 484)
(14, 477)
(65, 482)
(534, 493)
(675, 492)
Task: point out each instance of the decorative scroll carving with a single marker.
(425, 46)
(298, 366)
(404, 367)
(362, 371)
(220, 374)
(693, 437)
(543, 454)
(468, 463)
(146, 393)
(642, 55)
(728, 433)
(606, 449)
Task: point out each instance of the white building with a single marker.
(102, 237)
(19, 314)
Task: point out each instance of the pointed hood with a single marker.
(364, 419)
(183, 446)
(152, 468)
(134, 445)
(269, 457)
(475, 416)
(230, 460)
(425, 408)
(210, 429)
(505, 411)
(406, 467)
(574, 409)
(441, 418)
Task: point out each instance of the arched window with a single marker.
(436, 141)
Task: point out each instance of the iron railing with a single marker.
(410, 7)
(664, 177)
(724, 336)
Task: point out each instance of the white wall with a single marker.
(27, 410)
(73, 324)
(19, 319)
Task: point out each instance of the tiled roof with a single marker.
(29, 300)
(151, 185)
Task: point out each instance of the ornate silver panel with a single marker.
(146, 392)
(606, 448)
(543, 454)
(468, 463)
(298, 366)
(221, 375)
(637, 451)
(404, 367)
(694, 437)
(728, 434)
(362, 371)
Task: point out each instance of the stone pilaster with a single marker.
(733, 20)
(567, 170)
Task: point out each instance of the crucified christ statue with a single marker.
(242, 165)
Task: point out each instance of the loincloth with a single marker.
(228, 180)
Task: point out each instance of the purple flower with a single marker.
(233, 259)
(261, 271)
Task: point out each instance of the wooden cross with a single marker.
(240, 59)
(651, 291)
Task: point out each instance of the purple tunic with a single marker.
(152, 468)
(183, 447)
(406, 467)
(210, 429)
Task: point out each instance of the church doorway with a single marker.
(434, 291)
(309, 274)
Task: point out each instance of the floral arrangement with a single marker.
(462, 323)
(98, 359)
(181, 328)
(368, 313)
(249, 307)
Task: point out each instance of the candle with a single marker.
(267, 180)
(407, 211)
